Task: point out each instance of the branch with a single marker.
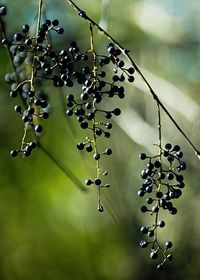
(66, 170)
(130, 59)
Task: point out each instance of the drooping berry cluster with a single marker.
(87, 104)
(163, 183)
(33, 60)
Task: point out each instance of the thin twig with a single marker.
(130, 59)
(66, 170)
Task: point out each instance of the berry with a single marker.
(45, 115)
(143, 244)
(142, 156)
(38, 128)
(157, 164)
(96, 156)
(141, 193)
(88, 182)
(170, 257)
(108, 151)
(160, 267)
(89, 148)
(25, 28)
(161, 224)
(168, 244)
(55, 22)
(131, 70)
(80, 146)
(100, 208)
(154, 255)
(170, 176)
(150, 233)
(69, 112)
(168, 146)
(13, 94)
(60, 30)
(84, 124)
(32, 145)
(131, 79)
(17, 37)
(14, 153)
(176, 148)
(144, 230)
(70, 97)
(173, 211)
(143, 209)
(149, 200)
(116, 111)
(18, 109)
(97, 182)
(3, 11)
(155, 209)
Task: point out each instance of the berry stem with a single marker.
(95, 109)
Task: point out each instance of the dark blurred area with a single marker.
(49, 228)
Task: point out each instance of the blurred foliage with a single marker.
(49, 228)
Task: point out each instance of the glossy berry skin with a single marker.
(89, 148)
(161, 224)
(168, 244)
(3, 10)
(96, 156)
(108, 152)
(18, 109)
(88, 182)
(38, 128)
(80, 146)
(143, 156)
(143, 244)
(14, 153)
(97, 182)
(160, 267)
(117, 112)
(153, 255)
(100, 208)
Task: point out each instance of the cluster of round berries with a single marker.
(33, 60)
(87, 105)
(162, 185)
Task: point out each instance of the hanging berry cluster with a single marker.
(87, 104)
(33, 60)
(163, 183)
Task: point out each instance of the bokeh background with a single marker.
(49, 228)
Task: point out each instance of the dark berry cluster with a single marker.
(33, 60)
(87, 104)
(163, 184)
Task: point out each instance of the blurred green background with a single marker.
(49, 229)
